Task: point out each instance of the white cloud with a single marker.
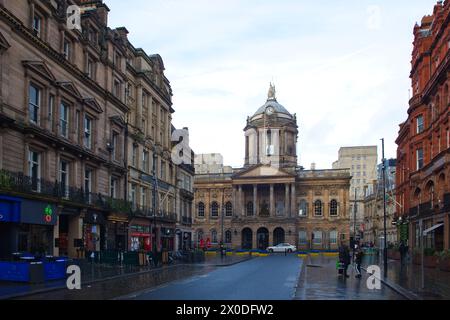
(342, 68)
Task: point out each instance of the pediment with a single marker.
(40, 68)
(264, 171)
(70, 88)
(93, 104)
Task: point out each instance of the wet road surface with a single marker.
(265, 278)
(320, 281)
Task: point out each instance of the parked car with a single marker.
(282, 247)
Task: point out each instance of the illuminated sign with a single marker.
(48, 214)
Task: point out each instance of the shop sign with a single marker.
(36, 212)
(48, 214)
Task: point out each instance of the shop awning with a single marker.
(425, 232)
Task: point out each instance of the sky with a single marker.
(341, 66)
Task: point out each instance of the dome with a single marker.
(275, 105)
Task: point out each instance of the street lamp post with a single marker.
(354, 220)
(383, 167)
(155, 190)
(222, 223)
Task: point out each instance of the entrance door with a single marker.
(247, 236)
(278, 236)
(262, 238)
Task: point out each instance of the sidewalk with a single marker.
(92, 274)
(319, 280)
(409, 277)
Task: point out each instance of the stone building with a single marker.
(423, 153)
(83, 117)
(270, 200)
(362, 161)
(373, 224)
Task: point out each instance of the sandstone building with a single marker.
(423, 153)
(270, 200)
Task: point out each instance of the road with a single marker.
(276, 277)
(266, 278)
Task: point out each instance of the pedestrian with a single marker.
(403, 248)
(358, 261)
(344, 257)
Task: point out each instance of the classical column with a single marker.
(293, 201)
(241, 201)
(255, 200)
(272, 200)
(286, 199)
(234, 202)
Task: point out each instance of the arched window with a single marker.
(213, 236)
(201, 209)
(333, 237)
(214, 209)
(317, 237)
(302, 237)
(303, 208)
(269, 143)
(228, 209)
(228, 236)
(249, 208)
(318, 208)
(333, 208)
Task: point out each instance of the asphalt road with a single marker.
(265, 278)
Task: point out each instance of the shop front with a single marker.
(116, 234)
(26, 226)
(68, 240)
(94, 224)
(140, 235)
(167, 238)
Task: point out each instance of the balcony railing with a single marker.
(148, 212)
(20, 183)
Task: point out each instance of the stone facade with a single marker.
(373, 208)
(270, 200)
(362, 161)
(78, 109)
(423, 153)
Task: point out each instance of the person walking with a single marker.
(403, 248)
(358, 261)
(344, 258)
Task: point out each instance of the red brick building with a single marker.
(423, 154)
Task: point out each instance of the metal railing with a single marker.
(20, 183)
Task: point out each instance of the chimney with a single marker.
(102, 12)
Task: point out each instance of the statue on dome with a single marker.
(272, 92)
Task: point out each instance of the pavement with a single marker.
(409, 278)
(265, 278)
(94, 274)
(276, 277)
(320, 281)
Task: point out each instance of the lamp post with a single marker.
(354, 219)
(383, 167)
(222, 223)
(155, 190)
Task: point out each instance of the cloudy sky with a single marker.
(341, 66)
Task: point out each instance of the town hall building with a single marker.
(271, 199)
